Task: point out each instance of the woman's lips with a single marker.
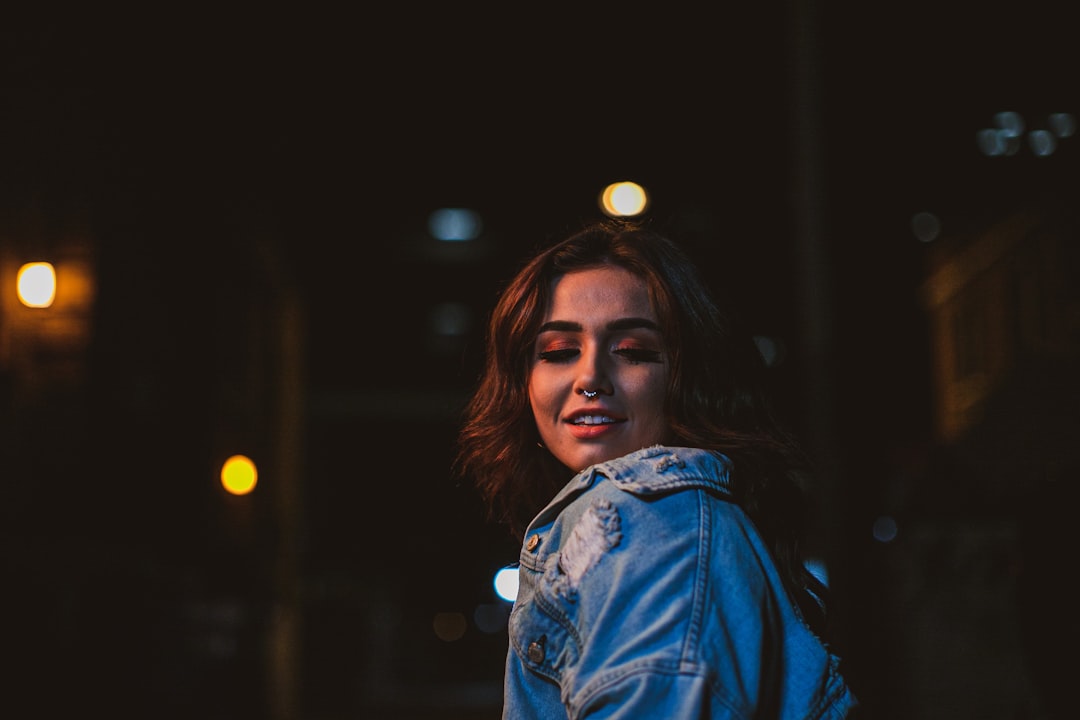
(590, 424)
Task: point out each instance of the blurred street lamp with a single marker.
(46, 311)
(624, 199)
(36, 284)
(239, 475)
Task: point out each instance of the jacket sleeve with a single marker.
(655, 694)
(662, 601)
(675, 621)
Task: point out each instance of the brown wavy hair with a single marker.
(716, 397)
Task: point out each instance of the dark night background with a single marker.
(252, 189)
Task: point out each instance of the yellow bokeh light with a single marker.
(36, 284)
(624, 199)
(238, 475)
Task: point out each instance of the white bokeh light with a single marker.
(506, 583)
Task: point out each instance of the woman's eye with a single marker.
(636, 355)
(557, 355)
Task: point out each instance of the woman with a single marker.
(620, 430)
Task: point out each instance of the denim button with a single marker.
(536, 650)
(532, 543)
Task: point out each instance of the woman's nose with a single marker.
(593, 373)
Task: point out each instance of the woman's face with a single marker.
(599, 335)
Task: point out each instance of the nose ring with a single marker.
(590, 394)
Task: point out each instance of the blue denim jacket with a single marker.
(646, 593)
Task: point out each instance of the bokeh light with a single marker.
(925, 226)
(239, 475)
(624, 199)
(885, 529)
(36, 284)
(449, 626)
(506, 583)
(454, 225)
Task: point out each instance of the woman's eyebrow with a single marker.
(630, 323)
(633, 323)
(560, 326)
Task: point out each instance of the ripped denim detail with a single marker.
(598, 531)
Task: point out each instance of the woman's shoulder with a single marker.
(664, 469)
(663, 489)
(668, 492)
(658, 489)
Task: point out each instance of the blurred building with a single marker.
(983, 574)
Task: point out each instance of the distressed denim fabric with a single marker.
(644, 592)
